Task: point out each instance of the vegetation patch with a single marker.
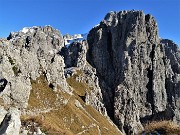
(41, 96)
(65, 119)
(105, 126)
(81, 87)
(162, 127)
(1, 101)
(70, 120)
(15, 70)
(11, 61)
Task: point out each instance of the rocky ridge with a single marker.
(123, 70)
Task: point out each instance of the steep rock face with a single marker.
(75, 54)
(133, 70)
(172, 82)
(25, 56)
(75, 59)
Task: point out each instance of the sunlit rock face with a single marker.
(25, 56)
(138, 75)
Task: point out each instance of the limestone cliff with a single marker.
(138, 73)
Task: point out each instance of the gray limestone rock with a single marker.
(3, 113)
(26, 55)
(138, 75)
(94, 97)
(75, 59)
(11, 123)
(74, 54)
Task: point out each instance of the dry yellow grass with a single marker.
(79, 87)
(46, 126)
(79, 90)
(104, 125)
(65, 119)
(41, 96)
(163, 127)
(1, 101)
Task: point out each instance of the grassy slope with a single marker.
(163, 127)
(66, 119)
(79, 87)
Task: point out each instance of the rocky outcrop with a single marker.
(74, 54)
(94, 96)
(172, 82)
(138, 75)
(25, 56)
(75, 59)
(11, 123)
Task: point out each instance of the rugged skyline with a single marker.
(121, 78)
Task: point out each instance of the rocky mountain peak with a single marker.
(28, 34)
(48, 30)
(132, 68)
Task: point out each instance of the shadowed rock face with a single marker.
(74, 55)
(138, 75)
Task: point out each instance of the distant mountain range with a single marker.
(74, 38)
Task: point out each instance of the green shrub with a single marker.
(11, 61)
(15, 69)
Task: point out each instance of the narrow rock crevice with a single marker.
(4, 124)
(3, 83)
(149, 87)
(51, 86)
(150, 92)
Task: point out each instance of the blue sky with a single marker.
(79, 16)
